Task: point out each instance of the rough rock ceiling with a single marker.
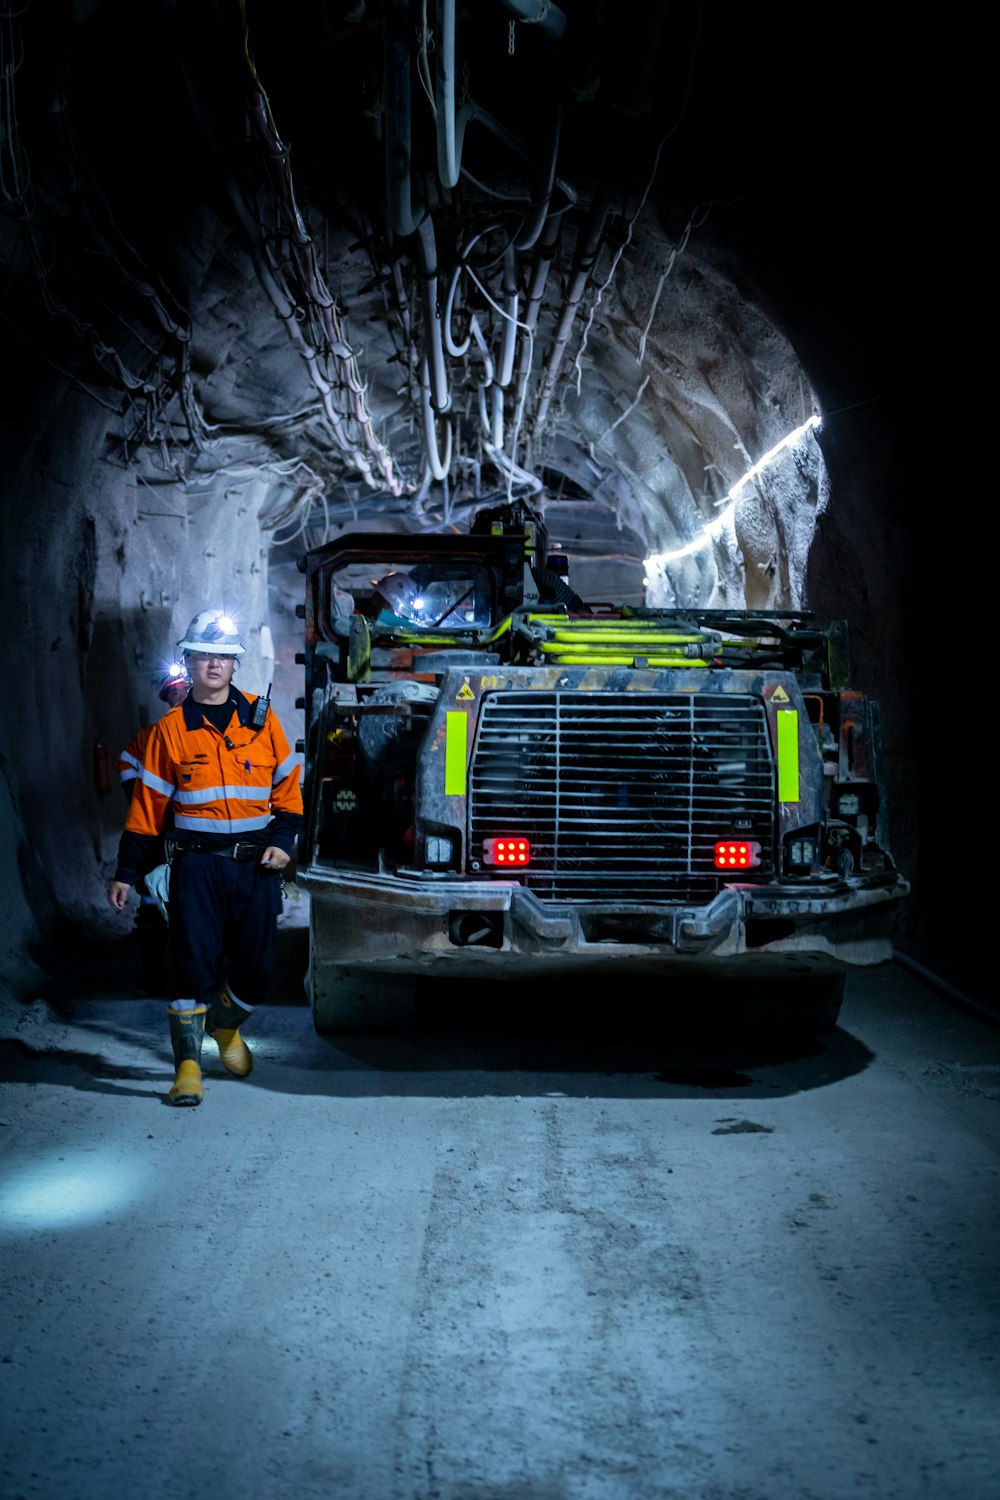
(769, 184)
(368, 263)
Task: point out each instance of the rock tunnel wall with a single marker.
(106, 560)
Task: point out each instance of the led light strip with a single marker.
(657, 561)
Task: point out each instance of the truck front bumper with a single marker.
(397, 925)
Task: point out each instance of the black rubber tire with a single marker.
(809, 1006)
(347, 1001)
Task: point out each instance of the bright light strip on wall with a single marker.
(658, 560)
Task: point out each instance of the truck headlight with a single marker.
(802, 852)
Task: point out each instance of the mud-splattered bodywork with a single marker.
(507, 781)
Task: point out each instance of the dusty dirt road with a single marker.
(509, 1254)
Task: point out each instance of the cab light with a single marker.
(506, 851)
(735, 854)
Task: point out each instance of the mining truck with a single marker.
(503, 781)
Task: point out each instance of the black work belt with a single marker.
(237, 851)
(229, 851)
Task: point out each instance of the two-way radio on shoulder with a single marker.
(260, 710)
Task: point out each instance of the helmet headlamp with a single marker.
(215, 631)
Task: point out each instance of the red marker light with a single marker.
(735, 854)
(506, 851)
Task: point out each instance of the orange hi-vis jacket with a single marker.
(218, 787)
(131, 758)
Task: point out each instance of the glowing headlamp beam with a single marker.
(659, 560)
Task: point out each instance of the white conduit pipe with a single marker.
(451, 124)
(508, 342)
(444, 95)
(491, 424)
(427, 265)
(498, 433)
(477, 334)
(583, 263)
(544, 255)
(454, 349)
(511, 470)
(438, 466)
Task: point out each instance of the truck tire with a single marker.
(799, 1007)
(827, 997)
(347, 1000)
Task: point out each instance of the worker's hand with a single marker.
(275, 859)
(118, 894)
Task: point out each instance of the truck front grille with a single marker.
(623, 795)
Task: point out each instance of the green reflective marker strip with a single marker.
(455, 742)
(788, 754)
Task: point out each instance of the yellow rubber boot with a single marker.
(187, 1028)
(223, 1026)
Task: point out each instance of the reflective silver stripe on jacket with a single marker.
(155, 784)
(131, 769)
(222, 793)
(220, 825)
(286, 768)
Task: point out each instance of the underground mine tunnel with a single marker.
(691, 284)
(274, 276)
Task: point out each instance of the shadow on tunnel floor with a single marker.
(464, 1040)
(518, 1056)
(526, 1040)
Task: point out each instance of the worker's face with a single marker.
(176, 694)
(210, 674)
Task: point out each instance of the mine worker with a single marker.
(424, 599)
(396, 595)
(151, 928)
(173, 689)
(220, 765)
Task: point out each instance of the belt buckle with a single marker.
(244, 851)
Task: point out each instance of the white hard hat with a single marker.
(212, 630)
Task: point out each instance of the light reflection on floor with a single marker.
(69, 1188)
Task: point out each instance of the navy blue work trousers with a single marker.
(222, 909)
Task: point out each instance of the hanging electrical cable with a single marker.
(311, 296)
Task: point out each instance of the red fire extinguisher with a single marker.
(103, 767)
